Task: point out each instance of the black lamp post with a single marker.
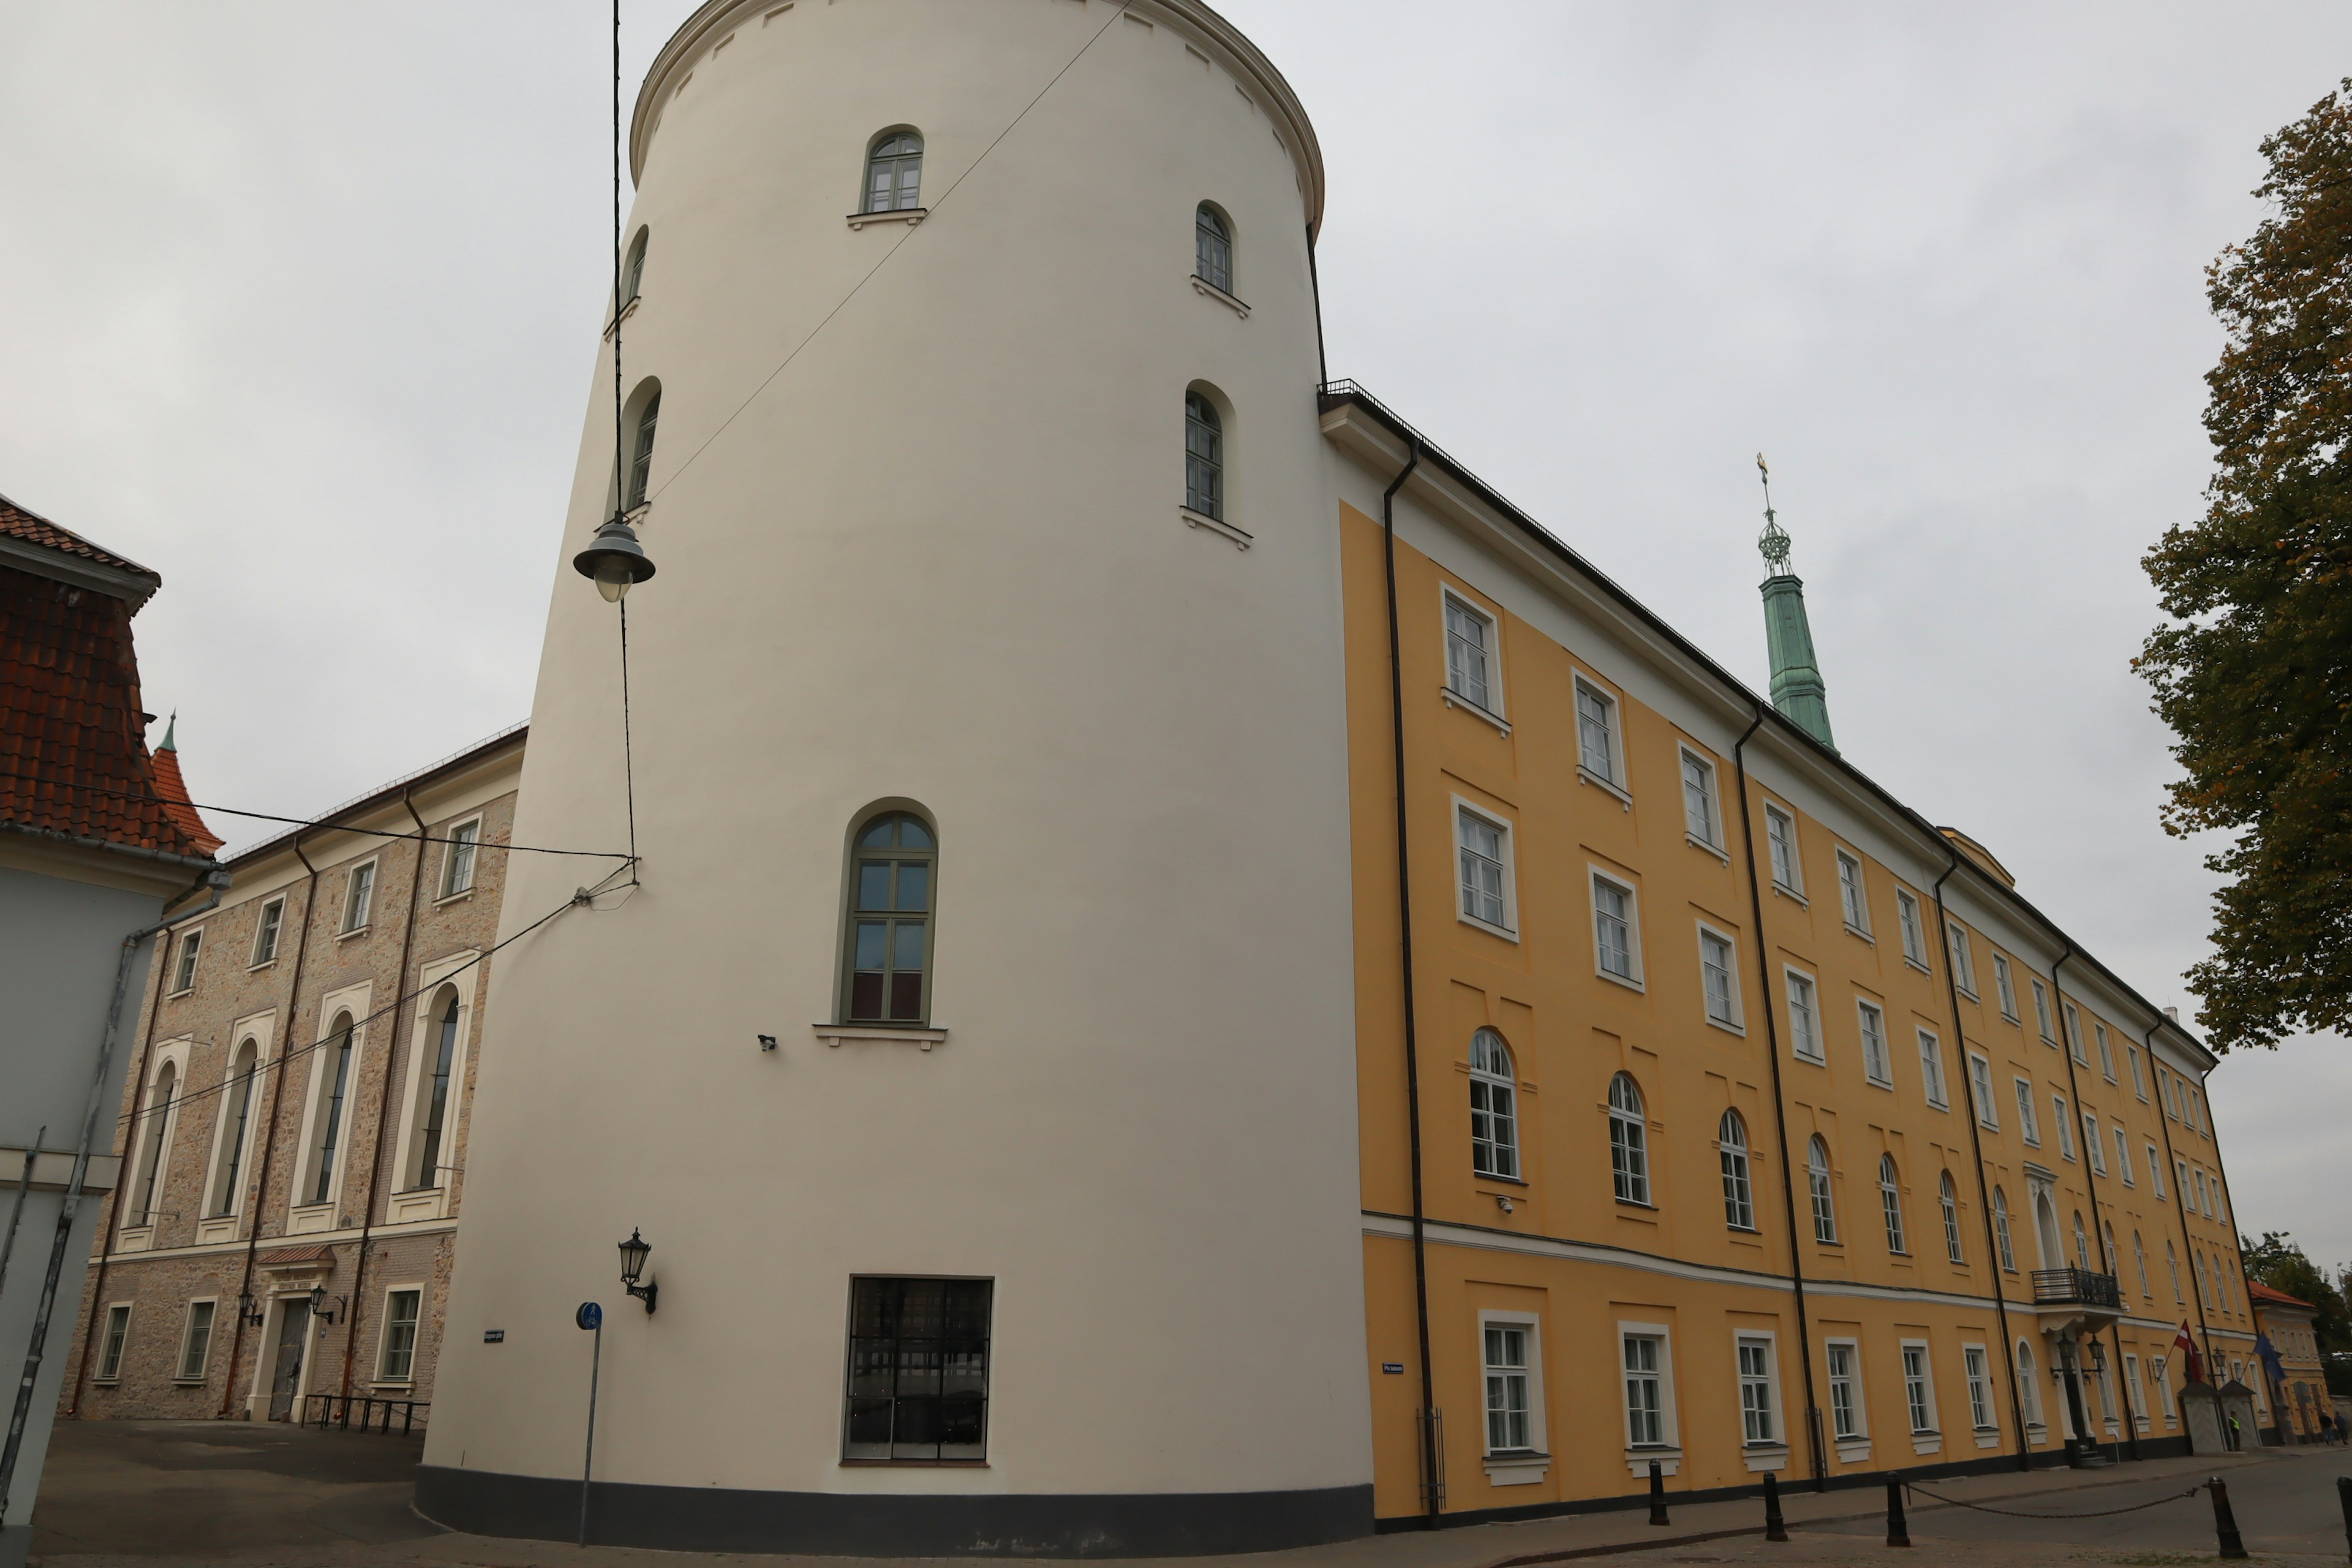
(632, 1264)
(319, 1313)
(615, 560)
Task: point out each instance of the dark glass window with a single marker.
(1213, 248)
(890, 922)
(1204, 457)
(918, 1370)
(894, 174)
(635, 273)
(436, 1105)
(641, 460)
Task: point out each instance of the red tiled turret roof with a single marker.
(16, 523)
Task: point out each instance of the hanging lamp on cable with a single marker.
(614, 560)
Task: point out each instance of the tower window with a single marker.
(894, 173)
(1204, 457)
(1213, 248)
(890, 896)
(633, 271)
(641, 452)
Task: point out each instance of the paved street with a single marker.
(139, 1494)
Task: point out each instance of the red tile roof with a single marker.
(165, 760)
(16, 523)
(2262, 1292)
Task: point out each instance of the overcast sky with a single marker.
(301, 303)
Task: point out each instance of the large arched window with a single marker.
(1890, 1202)
(1817, 1182)
(1494, 1108)
(236, 1114)
(1213, 248)
(334, 1061)
(1204, 457)
(894, 173)
(154, 1140)
(2028, 1390)
(1738, 1193)
(441, 1043)
(1949, 1200)
(1629, 1141)
(2000, 1230)
(633, 271)
(641, 448)
(893, 868)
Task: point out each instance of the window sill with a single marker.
(1639, 1458)
(106, 1381)
(1972, 996)
(1795, 1054)
(1242, 541)
(910, 217)
(1203, 286)
(176, 995)
(1616, 979)
(1853, 1450)
(1926, 1443)
(1717, 850)
(395, 1384)
(1916, 964)
(188, 1381)
(1454, 698)
(1762, 1457)
(1987, 1438)
(1491, 1177)
(2009, 1017)
(1636, 1203)
(347, 935)
(1853, 930)
(1516, 1467)
(834, 1034)
(914, 1464)
(1506, 932)
(1739, 1029)
(1607, 786)
(460, 897)
(626, 312)
(1885, 1083)
(257, 968)
(1793, 895)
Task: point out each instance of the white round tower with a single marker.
(989, 734)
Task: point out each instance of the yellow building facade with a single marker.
(1732, 1118)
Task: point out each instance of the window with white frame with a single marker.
(1948, 1200)
(2041, 1012)
(237, 1118)
(2106, 1051)
(331, 1068)
(2000, 1231)
(1918, 1388)
(2139, 1073)
(2139, 1260)
(183, 976)
(1980, 1090)
(1877, 1065)
(1485, 854)
(1847, 1416)
(2124, 1159)
(894, 173)
(1854, 899)
(2006, 984)
(2158, 1373)
(1510, 1395)
(1781, 834)
(154, 1146)
(2196, 1110)
(436, 1104)
(457, 858)
(1739, 1191)
(1645, 1401)
(1494, 1108)
(1817, 1184)
(110, 1346)
(1469, 654)
(1205, 455)
(267, 926)
(1890, 1204)
(1597, 750)
(1629, 1141)
(1616, 930)
(2029, 1389)
(2082, 1244)
(2065, 1126)
(1760, 1417)
(2026, 1121)
(1964, 962)
(2134, 1387)
(1915, 933)
(397, 1362)
(2075, 1036)
(1720, 978)
(2091, 1143)
(887, 911)
(1213, 248)
(2172, 1265)
(196, 1341)
(359, 897)
(1931, 1070)
(1702, 817)
(2155, 1170)
(1804, 1017)
(2188, 1194)
(1973, 1363)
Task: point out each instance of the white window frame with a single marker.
(2160, 1374)
(2029, 1125)
(1737, 1023)
(269, 921)
(1877, 1067)
(1768, 1342)
(148, 1165)
(1789, 870)
(1964, 961)
(1853, 893)
(2029, 1388)
(384, 1376)
(1948, 1208)
(1612, 726)
(1919, 1387)
(114, 1341)
(1914, 928)
(1637, 980)
(1508, 930)
(2140, 1261)
(1669, 1429)
(1821, 1202)
(186, 961)
(1981, 1089)
(358, 897)
(1490, 657)
(2107, 1050)
(448, 883)
(2155, 1172)
(2005, 984)
(214, 1203)
(2091, 1141)
(179, 1373)
(1857, 1401)
(2064, 1116)
(1712, 841)
(1934, 1084)
(2042, 1011)
(320, 1056)
(1891, 1217)
(2135, 1390)
(2075, 1046)
(2123, 1157)
(1504, 1149)
(457, 970)
(1976, 1369)
(1736, 1163)
(1636, 1187)
(1793, 981)
(2004, 1235)
(2139, 1071)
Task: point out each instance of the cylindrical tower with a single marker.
(988, 722)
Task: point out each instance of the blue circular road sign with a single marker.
(590, 1316)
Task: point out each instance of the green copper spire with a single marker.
(170, 728)
(1797, 688)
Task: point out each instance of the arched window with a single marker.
(2029, 1388)
(2140, 1261)
(1494, 1108)
(633, 271)
(894, 173)
(889, 913)
(2110, 1262)
(2173, 1262)
(1204, 457)
(236, 1112)
(2082, 1245)
(1890, 1202)
(154, 1137)
(441, 1040)
(2000, 1230)
(1949, 1201)
(1629, 1141)
(1739, 1193)
(334, 1060)
(641, 450)
(1817, 1182)
(1213, 248)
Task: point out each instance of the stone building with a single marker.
(293, 1129)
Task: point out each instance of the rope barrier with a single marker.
(2012, 1514)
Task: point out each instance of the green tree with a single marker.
(2254, 671)
(2278, 1262)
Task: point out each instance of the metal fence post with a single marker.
(1898, 1529)
(2225, 1522)
(1658, 1494)
(1775, 1527)
(2344, 1496)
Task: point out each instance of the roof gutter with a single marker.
(205, 864)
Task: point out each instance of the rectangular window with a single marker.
(1915, 934)
(1596, 733)
(266, 932)
(1486, 869)
(1781, 832)
(2075, 1036)
(2134, 1390)
(1919, 1389)
(117, 1331)
(2006, 984)
(1759, 1421)
(1615, 943)
(184, 978)
(1469, 654)
(458, 863)
(2171, 1086)
(2026, 1121)
(1507, 1389)
(2123, 1159)
(918, 1368)
(1701, 819)
(2196, 1110)
(1931, 1070)
(2163, 1386)
(359, 897)
(1845, 1391)
(197, 1346)
(2155, 1172)
(2139, 1072)
(2180, 1169)
(2065, 1126)
(2091, 1143)
(1852, 898)
(1805, 1019)
(1964, 963)
(401, 1310)
(1972, 1361)
(2106, 1052)
(2041, 1012)
(1645, 1420)
(1981, 1089)
(1720, 978)
(1876, 1065)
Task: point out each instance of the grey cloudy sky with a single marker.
(302, 300)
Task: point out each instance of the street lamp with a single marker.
(614, 560)
(319, 1313)
(632, 1263)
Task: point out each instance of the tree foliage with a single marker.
(2255, 671)
(2278, 1262)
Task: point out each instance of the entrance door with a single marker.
(285, 1375)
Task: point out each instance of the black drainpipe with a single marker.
(2066, 1046)
(1314, 286)
(1432, 1484)
(1780, 1108)
(2099, 1225)
(2180, 1203)
(1976, 1147)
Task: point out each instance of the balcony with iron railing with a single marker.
(2081, 1291)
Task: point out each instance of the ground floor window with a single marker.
(918, 1368)
(1644, 1395)
(118, 1330)
(1506, 1388)
(195, 1349)
(1972, 1361)
(1918, 1388)
(400, 1314)
(1756, 1416)
(1845, 1391)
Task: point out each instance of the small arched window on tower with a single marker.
(893, 860)
(641, 445)
(1629, 1141)
(1213, 248)
(1204, 457)
(633, 271)
(1738, 1191)
(1817, 1184)
(1494, 1108)
(1890, 1201)
(894, 173)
